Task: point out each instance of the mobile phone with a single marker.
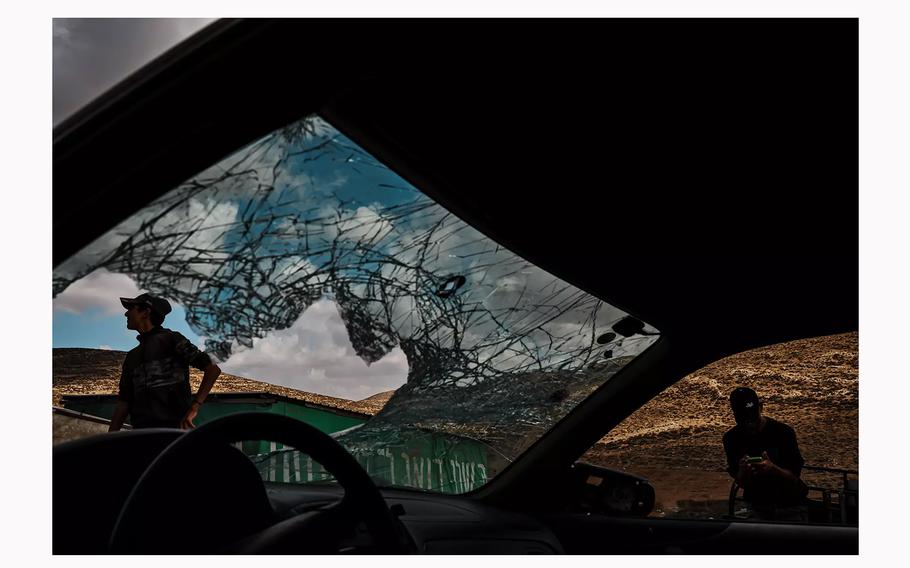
(753, 459)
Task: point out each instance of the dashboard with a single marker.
(438, 524)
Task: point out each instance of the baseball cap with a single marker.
(745, 403)
(159, 305)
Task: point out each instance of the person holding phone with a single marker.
(764, 459)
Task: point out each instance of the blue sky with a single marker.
(89, 314)
(97, 330)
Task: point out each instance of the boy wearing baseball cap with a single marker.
(763, 457)
(155, 382)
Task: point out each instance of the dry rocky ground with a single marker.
(94, 371)
(674, 440)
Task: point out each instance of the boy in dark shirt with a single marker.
(155, 382)
(763, 457)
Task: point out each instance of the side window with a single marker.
(676, 440)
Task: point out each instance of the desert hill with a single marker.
(96, 371)
(810, 384)
(675, 439)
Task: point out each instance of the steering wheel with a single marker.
(200, 495)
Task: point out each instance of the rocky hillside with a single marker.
(95, 371)
(810, 384)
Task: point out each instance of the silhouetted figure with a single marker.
(764, 458)
(155, 381)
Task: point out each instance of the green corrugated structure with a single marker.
(416, 458)
(326, 419)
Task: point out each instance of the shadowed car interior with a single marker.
(693, 184)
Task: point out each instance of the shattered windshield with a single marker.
(497, 349)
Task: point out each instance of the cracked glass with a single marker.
(498, 350)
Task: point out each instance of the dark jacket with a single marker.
(779, 441)
(155, 380)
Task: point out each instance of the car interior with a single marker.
(700, 175)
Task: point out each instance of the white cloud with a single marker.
(105, 347)
(315, 355)
(365, 223)
(98, 290)
(208, 220)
